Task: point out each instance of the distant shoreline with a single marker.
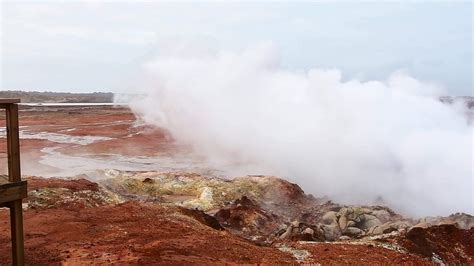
(71, 104)
(59, 97)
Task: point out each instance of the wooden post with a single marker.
(13, 140)
(16, 222)
(14, 175)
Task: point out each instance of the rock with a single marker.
(423, 225)
(295, 223)
(350, 216)
(350, 223)
(287, 234)
(148, 181)
(203, 218)
(382, 215)
(343, 238)
(206, 194)
(329, 218)
(204, 202)
(342, 212)
(370, 232)
(382, 229)
(353, 213)
(369, 221)
(389, 227)
(296, 231)
(308, 235)
(448, 222)
(298, 234)
(282, 227)
(342, 223)
(353, 232)
(401, 225)
(448, 244)
(464, 221)
(331, 232)
(308, 231)
(319, 233)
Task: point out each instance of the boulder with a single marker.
(206, 195)
(389, 227)
(355, 213)
(295, 223)
(401, 225)
(329, 218)
(308, 231)
(351, 223)
(295, 231)
(382, 215)
(342, 223)
(306, 235)
(423, 225)
(353, 232)
(368, 221)
(464, 221)
(350, 214)
(331, 232)
(287, 234)
(281, 230)
(382, 229)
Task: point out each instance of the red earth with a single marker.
(135, 232)
(147, 233)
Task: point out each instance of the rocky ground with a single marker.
(151, 217)
(176, 215)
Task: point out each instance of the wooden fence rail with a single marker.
(12, 188)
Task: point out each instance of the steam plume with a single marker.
(350, 140)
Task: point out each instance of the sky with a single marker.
(102, 46)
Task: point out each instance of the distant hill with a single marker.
(59, 97)
(108, 97)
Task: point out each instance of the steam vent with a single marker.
(12, 188)
(243, 133)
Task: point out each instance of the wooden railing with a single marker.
(12, 188)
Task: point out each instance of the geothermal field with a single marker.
(236, 132)
(104, 187)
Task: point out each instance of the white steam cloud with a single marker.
(353, 141)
